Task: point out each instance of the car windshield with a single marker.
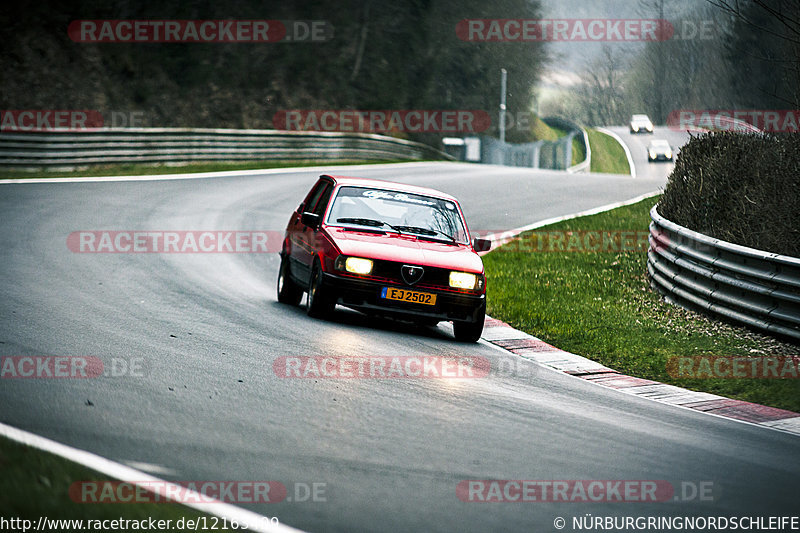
(660, 144)
(423, 216)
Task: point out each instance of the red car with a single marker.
(384, 248)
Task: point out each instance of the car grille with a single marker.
(432, 277)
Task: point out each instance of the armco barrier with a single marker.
(183, 145)
(752, 287)
(586, 164)
(553, 155)
(562, 148)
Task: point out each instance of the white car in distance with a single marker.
(641, 124)
(659, 150)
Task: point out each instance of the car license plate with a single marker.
(404, 295)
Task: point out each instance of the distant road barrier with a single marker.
(185, 145)
(553, 155)
(752, 287)
(586, 164)
(562, 148)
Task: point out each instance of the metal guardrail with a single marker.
(184, 145)
(585, 165)
(496, 152)
(563, 146)
(553, 155)
(752, 287)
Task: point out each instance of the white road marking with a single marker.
(255, 521)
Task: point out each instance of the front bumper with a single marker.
(364, 295)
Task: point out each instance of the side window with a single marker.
(319, 209)
(313, 196)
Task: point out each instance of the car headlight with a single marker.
(668, 154)
(355, 265)
(649, 127)
(652, 154)
(463, 280)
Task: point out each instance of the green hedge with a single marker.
(741, 188)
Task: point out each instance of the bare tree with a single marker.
(768, 58)
(600, 94)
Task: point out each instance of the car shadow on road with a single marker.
(354, 319)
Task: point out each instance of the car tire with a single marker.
(319, 303)
(470, 331)
(288, 291)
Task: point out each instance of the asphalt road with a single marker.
(390, 452)
(637, 144)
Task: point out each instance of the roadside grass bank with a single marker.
(600, 305)
(541, 131)
(36, 484)
(140, 169)
(607, 154)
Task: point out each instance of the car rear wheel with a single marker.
(288, 291)
(470, 331)
(319, 302)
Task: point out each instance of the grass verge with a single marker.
(138, 169)
(36, 484)
(541, 131)
(600, 305)
(608, 155)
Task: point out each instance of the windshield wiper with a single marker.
(426, 231)
(366, 222)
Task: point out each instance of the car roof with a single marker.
(390, 185)
(641, 117)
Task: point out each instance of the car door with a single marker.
(304, 238)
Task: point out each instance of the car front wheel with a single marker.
(319, 302)
(469, 331)
(288, 291)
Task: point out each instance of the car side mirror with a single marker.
(481, 245)
(310, 219)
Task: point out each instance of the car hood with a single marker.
(405, 249)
